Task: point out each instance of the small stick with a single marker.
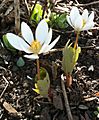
(27, 7)
(17, 15)
(77, 2)
(5, 86)
(87, 4)
(45, 6)
(66, 99)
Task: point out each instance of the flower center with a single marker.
(35, 46)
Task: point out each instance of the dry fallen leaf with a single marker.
(90, 99)
(57, 101)
(11, 109)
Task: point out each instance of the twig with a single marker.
(76, 1)
(45, 6)
(17, 15)
(37, 99)
(4, 4)
(27, 7)
(63, 32)
(87, 4)
(88, 47)
(55, 116)
(53, 50)
(54, 70)
(5, 86)
(66, 99)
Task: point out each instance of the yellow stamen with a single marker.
(35, 46)
(84, 22)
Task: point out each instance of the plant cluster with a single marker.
(41, 43)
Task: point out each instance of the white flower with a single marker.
(28, 44)
(80, 22)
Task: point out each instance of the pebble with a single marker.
(91, 68)
(25, 84)
(11, 82)
(83, 107)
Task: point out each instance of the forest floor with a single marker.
(83, 95)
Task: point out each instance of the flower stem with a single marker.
(76, 42)
(38, 69)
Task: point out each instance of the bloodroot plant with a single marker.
(33, 47)
(70, 54)
(41, 43)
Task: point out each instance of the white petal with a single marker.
(69, 20)
(85, 15)
(74, 14)
(44, 48)
(26, 48)
(26, 32)
(90, 23)
(51, 45)
(91, 17)
(78, 24)
(88, 26)
(49, 37)
(17, 42)
(41, 31)
(33, 56)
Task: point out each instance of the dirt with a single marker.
(83, 95)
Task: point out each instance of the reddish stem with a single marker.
(76, 42)
(68, 80)
(38, 69)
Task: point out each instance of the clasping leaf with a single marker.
(70, 57)
(42, 85)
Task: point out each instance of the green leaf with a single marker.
(20, 62)
(42, 85)
(70, 57)
(96, 112)
(37, 13)
(61, 21)
(7, 44)
(58, 21)
(98, 108)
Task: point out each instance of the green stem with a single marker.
(38, 69)
(76, 42)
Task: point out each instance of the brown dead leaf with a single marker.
(45, 114)
(90, 99)
(81, 117)
(86, 116)
(57, 101)
(11, 109)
